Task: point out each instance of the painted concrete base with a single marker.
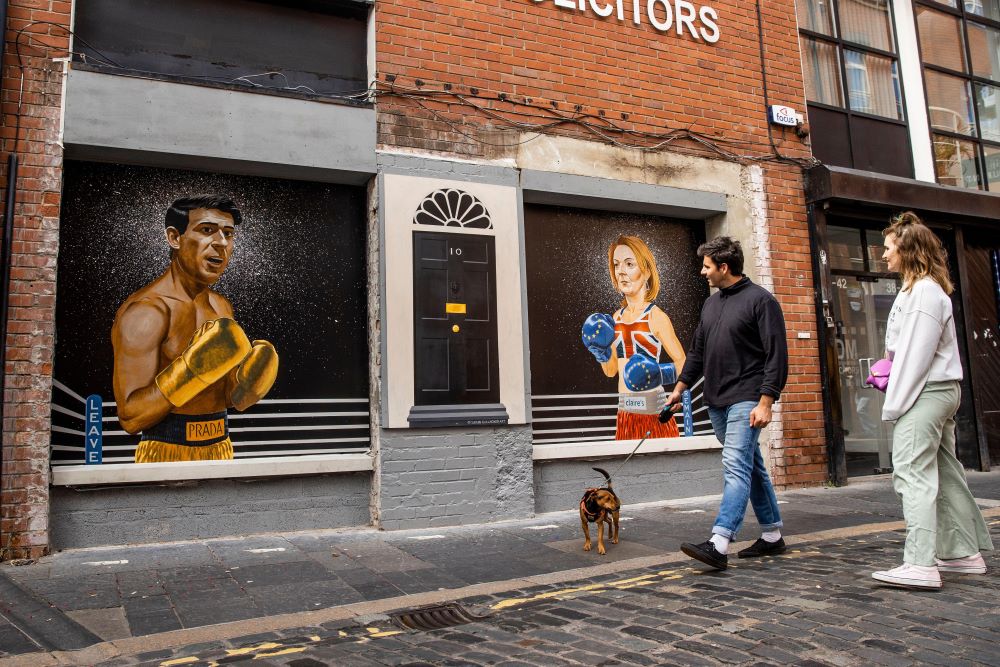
(560, 484)
(211, 508)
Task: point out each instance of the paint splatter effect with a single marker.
(568, 279)
(297, 276)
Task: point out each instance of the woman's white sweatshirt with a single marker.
(920, 340)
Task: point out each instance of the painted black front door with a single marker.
(455, 319)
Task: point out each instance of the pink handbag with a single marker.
(879, 377)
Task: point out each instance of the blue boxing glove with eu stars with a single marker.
(598, 335)
(642, 374)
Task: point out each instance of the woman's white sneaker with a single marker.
(910, 576)
(969, 565)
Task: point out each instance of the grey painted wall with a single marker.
(559, 485)
(215, 508)
(107, 113)
(454, 476)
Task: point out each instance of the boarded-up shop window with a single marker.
(295, 277)
(306, 47)
(573, 399)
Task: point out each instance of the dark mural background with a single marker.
(567, 265)
(297, 276)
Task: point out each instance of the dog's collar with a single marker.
(589, 505)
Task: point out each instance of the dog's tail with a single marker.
(607, 477)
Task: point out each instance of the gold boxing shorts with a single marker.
(186, 438)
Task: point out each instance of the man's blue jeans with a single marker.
(743, 472)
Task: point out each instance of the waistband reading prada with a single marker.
(191, 430)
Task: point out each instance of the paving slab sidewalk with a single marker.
(111, 593)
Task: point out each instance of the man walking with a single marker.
(740, 348)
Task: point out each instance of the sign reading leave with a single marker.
(681, 16)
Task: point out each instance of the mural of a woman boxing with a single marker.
(629, 342)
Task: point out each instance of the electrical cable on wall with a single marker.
(521, 116)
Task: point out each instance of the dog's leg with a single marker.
(586, 530)
(600, 533)
(614, 516)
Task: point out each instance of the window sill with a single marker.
(132, 473)
(587, 450)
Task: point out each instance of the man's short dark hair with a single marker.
(177, 213)
(724, 250)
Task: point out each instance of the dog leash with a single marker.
(629, 456)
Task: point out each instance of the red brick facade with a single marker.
(534, 62)
(31, 319)
(466, 69)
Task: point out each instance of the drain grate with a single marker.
(435, 617)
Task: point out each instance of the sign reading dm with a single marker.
(681, 16)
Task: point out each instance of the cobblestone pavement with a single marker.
(815, 605)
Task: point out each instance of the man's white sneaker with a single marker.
(969, 565)
(910, 576)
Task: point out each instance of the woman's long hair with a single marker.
(920, 252)
(645, 260)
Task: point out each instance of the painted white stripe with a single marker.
(316, 441)
(584, 418)
(294, 452)
(59, 408)
(290, 415)
(577, 407)
(545, 527)
(59, 385)
(557, 441)
(570, 430)
(71, 431)
(276, 401)
(320, 427)
(427, 537)
(553, 397)
(105, 459)
(592, 439)
(106, 562)
(264, 551)
(691, 512)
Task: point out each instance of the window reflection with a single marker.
(941, 40)
(867, 22)
(955, 162)
(873, 84)
(822, 72)
(816, 15)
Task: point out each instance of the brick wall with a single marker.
(24, 484)
(553, 61)
(535, 63)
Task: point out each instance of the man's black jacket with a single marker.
(739, 346)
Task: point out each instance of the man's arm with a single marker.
(771, 325)
(136, 336)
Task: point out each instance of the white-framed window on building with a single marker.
(960, 52)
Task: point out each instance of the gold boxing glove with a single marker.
(256, 375)
(216, 348)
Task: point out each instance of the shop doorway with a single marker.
(982, 283)
(862, 293)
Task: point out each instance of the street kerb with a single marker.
(179, 638)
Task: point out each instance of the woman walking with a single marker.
(945, 530)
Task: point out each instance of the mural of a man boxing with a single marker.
(180, 358)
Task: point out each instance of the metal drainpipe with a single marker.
(5, 253)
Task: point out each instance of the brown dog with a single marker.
(600, 506)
